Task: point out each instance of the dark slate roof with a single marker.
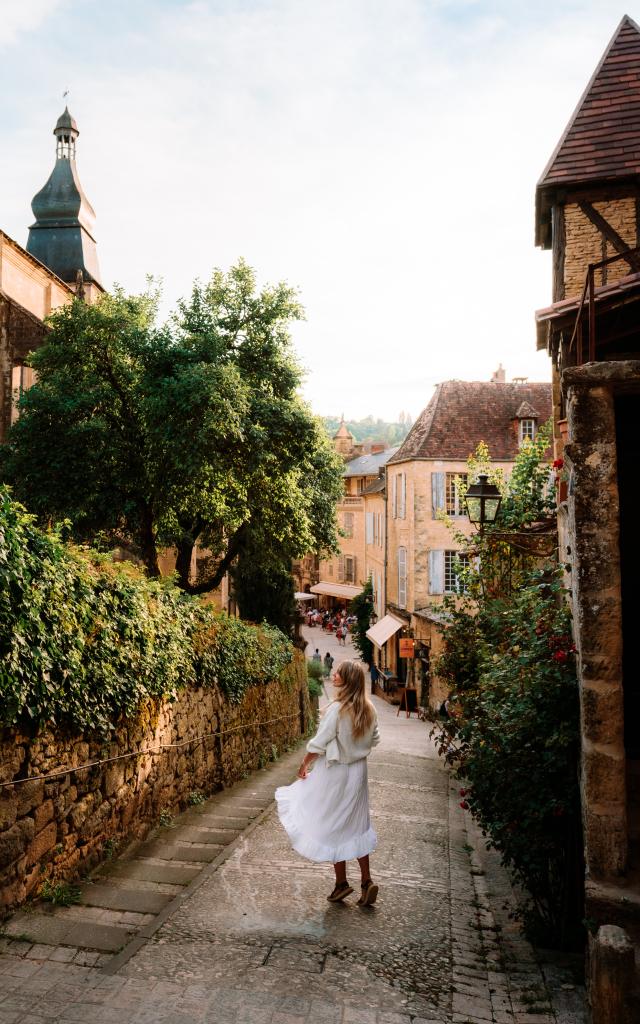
(377, 487)
(369, 465)
(66, 122)
(602, 139)
(463, 413)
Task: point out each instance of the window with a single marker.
(331, 568)
(454, 495)
(347, 523)
(402, 577)
(399, 496)
(368, 527)
(453, 563)
(349, 569)
(527, 430)
(377, 529)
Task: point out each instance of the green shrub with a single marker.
(513, 741)
(84, 641)
(60, 894)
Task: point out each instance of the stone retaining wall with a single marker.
(60, 828)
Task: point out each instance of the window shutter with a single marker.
(436, 571)
(394, 495)
(354, 575)
(437, 494)
(402, 577)
(369, 525)
(403, 496)
(341, 569)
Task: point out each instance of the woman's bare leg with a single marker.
(364, 868)
(341, 872)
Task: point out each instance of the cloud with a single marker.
(16, 17)
(380, 154)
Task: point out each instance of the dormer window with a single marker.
(527, 430)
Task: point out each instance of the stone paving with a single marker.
(252, 940)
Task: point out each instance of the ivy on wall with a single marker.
(84, 641)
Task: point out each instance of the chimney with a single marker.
(499, 376)
(378, 447)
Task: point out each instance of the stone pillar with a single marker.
(611, 976)
(593, 552)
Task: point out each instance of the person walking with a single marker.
(328, 664)
(316, 655)
(326, 811)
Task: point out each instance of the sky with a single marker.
(379, 155)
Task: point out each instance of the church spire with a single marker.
(62, 235)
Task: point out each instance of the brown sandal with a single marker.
(339, 893)
(369, 894)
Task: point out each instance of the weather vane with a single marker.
(65, 94)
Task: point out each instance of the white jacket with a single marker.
(335, 738)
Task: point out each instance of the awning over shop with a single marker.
(384, 630)
(303, 596)
(337, 590)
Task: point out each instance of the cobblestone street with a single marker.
(253, 940)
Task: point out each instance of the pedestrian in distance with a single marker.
(326, 811)
(328, 664)
(316, 655)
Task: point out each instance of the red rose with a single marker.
(558, 463)
(464, 805)
(463, 792)
(559, 655)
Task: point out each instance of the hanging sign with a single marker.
(406, 647)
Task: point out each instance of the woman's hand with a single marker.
(306, 761)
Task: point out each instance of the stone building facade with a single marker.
(425, 479)
(588, 214)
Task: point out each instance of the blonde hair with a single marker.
(352, 697)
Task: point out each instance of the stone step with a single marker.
(57, 929)
(148, 871)
(202, 853)
(214, 819)
(114, 897)
(196, 834)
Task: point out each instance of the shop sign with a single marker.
(406, 647)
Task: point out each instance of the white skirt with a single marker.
(326, 815)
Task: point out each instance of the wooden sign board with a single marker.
(406, 647)
(409, 701)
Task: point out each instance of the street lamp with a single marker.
(483, 501)
(373, 618)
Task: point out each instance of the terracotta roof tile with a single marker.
(602, 139)
(463, 413)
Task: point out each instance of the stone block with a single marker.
(8, 809)
(43, 842)
(603, 775)
(611, 975)
(43, 814)
(29, 795)
(605, 832)
(12, 845)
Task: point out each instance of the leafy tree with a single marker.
(263, 588)
(362, 607)
(186, 434)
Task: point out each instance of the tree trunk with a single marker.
(183, 562)
(148, 546)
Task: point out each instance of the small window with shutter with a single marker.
(349, 569)
(369, 528)
(436, 572)
(455, 487)
(454, 563)
(402, 577)
(347, 523)
(437, 494)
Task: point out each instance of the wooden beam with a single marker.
(609, 233)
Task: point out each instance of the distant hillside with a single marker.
(370, 429)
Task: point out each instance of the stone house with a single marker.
(588, 214)
(425, 478)
(343, 575)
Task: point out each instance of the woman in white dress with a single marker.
(326, 811)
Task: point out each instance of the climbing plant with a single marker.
(84, 641)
